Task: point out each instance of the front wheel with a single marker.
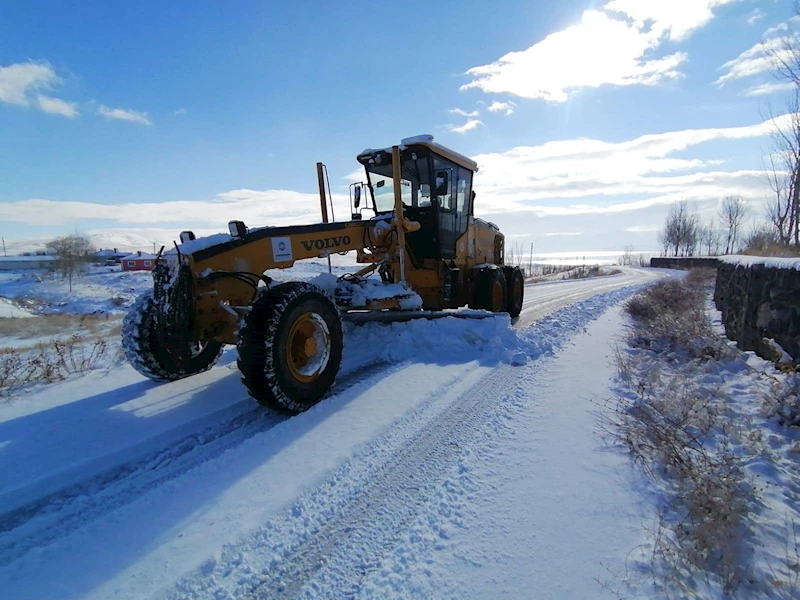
(515, 284)
(290, 347)
(156, 356)
(490, 290)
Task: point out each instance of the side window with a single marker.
(463, 190)
(444, 180)
(148, 263)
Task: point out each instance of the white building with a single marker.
(13, 263)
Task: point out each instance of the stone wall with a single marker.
(757, 302)
(682, 262)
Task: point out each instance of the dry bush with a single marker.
(676, 429)
(784, 401)
(701, 276)
(671, 430)
(49, 363)
(671, 315)
(771, 248)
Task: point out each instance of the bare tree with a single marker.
(731, 215)
(72, 253)
(680, 235)
(709, 239)
(783, 163)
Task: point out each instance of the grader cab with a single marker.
(423, 253)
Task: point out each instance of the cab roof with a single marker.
(427, 142)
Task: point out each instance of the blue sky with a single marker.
(153, 117)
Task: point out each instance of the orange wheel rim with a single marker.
(308, 347)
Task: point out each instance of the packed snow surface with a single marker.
(766, 261)
(116, 487)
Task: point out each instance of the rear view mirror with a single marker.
(442, 183)
(357, 197)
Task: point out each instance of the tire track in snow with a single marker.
(336, 534)
(56, 515)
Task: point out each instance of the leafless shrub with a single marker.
(670, 429)
(783, 402)
(50, 363)
(700, 276)
(670, 315)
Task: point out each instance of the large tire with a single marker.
(149, 353)
(515, 286)
(490, 290)
(290, 347)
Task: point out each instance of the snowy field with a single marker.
(453, 459)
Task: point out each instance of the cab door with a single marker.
(453, 186)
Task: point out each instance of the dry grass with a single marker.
(671, 315)
(59, 324)
(47, 363)
(772, 249)
(678, 432)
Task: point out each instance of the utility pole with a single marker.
(4, 247)
(530, 262)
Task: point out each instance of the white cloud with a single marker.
(765, 89)
(643, 229)
(463, 113)
(506, 107)
(676, 19)
(468, 126)
(55, 106)
(124, 114)
(568, 178)
(562, 233)
(755, 16)
(181, 111)
(759, 58)
(612, 46)
(20, 81)
(521, 179)
(22, 84)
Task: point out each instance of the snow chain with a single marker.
(174, 299)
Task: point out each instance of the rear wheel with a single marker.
(290, 347)
(490, 291)
(515, 285)
(156, 356)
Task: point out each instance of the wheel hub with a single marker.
(308, 347)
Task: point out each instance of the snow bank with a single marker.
(366, 290)
(202, 243)
(771, 262)
(452, 340)
(9, 309)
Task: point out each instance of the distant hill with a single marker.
(127, 240)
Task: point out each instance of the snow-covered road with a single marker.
(407, 481)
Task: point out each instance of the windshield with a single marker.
(415, 189)
(383, 191)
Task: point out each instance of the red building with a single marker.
(141, 261)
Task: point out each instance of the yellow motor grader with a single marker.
(422, 249)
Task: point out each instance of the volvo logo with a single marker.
(327, 243)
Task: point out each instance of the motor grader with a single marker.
(422, 250)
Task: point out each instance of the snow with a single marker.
(103, 290)
(195, 492)
(201, 243)
(766, 261)
(9, 309)
(366, 290)
(140, 255)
